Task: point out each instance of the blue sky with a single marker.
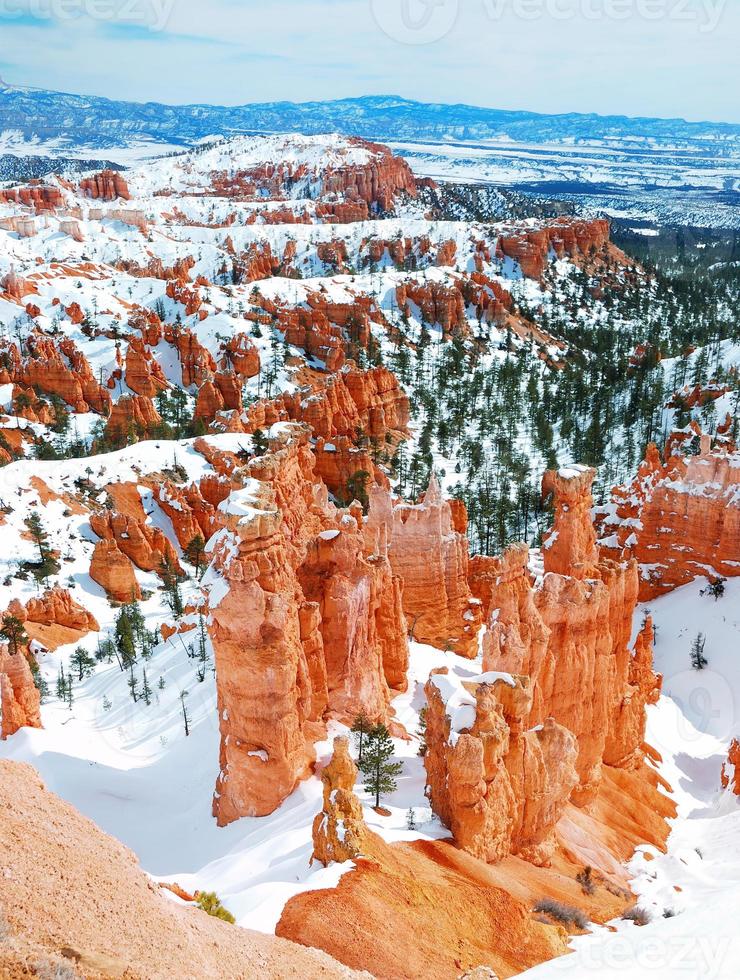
(635, 57)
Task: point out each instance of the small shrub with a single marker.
(638, 915)
(211, 903)
(586, 881)
(566, 915)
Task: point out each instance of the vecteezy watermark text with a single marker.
(151, 14)
(426, 21)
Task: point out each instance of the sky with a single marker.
(630, 57)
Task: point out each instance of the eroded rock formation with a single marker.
(112, 570)
(499, 787)
(339, 830)
(306, 624)
(679, 518)
(428, 550)
(20, 701)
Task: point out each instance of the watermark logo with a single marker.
(415, 21)
(153, 15)
(426, 21)
(705, 702)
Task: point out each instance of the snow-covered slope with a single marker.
(692, 893)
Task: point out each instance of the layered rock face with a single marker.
(499, 787)
(306, 624)
(428, 550)
(576, 239)
(19, 697)
(108, 185)
(679, 518)
(339, 830)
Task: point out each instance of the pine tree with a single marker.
(202, 648)
(125, 639)
(38, 534)
(194, 552)
(185, 715)
(61, 688)
(259, 442)
(171, 581)
(14, 632)
(379, 772)
(698, 660)
(82, 663)
(360, 730)
(133, 684)
(146, 691)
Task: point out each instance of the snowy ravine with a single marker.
(692, 893)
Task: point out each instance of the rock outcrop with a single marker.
(108, 185)
(428, 550)
(147, 546)
(569, 633)
(730, 776)
(133, 417)
(561, 688)
(20, 701)
(566, 237)
(499, 787)
(112, 570)
(339, 830)
(56, 607)
(679, 519)
(76, 903)
(306, 624)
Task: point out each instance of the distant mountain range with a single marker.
(58, 123)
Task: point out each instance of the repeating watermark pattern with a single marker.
(426, 21)
(683, 956)
(151, 14)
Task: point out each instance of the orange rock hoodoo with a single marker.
(352, 400)
(428, 550)
(132, 417)
(498, 785)
(19, 697)
(147, 546)
(108, 185)
(731, 769)
(56, 368)
(339, 830)
(679, 519)
(306, 624)
(564, 640)
(112, 570)
(56, 607)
